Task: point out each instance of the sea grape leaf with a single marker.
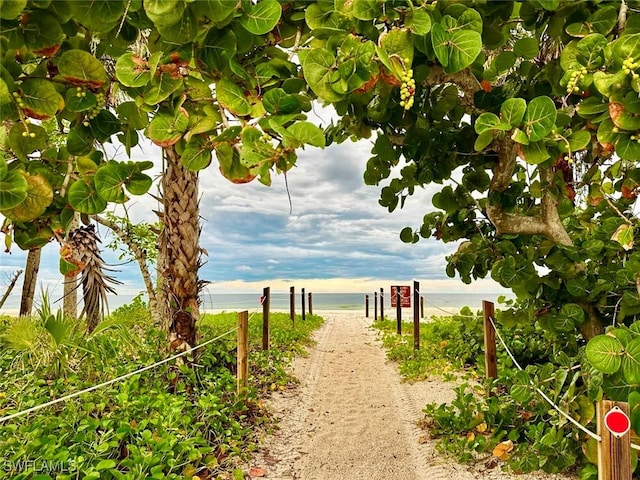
(39, 197)
(84, 198)
(605, 353)
(132, 71)
(41, 99)
(540, 118)
(318, 66)
(512, 111)
(456, 50)
(13, 188)
(262, 17)
(232, 97)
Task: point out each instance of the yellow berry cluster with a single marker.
(407, 89)
(568, 159)
(576, 78)
(18, 99)
(629, 66)
(101, 100)
(636, 137)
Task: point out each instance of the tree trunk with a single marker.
(9, 289)
(180, 249)
(30, 280)
(70, 295)
(141, 258)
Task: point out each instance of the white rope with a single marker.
(110, 382)
(542, 394)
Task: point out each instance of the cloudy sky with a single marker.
(337, 238)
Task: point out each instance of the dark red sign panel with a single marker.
(405, 296)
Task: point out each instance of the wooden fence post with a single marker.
(490, 357)
(381, 304)
(304, 307)
(292, 304)
(375, 306)
(416, 316)
(421, 307)
(310, 304)
(614, 453)
(366, 306)
(266, 305)
(243, 347)
(398, 311)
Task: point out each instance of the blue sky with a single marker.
(336, 238)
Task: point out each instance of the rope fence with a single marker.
(122, 377)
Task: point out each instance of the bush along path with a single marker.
(353, 416)
(500, 423)
(170, 422)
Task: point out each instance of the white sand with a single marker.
(353, 419)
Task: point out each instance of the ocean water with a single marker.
(280, 301)
(341, 301)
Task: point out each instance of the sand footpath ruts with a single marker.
(352, 418)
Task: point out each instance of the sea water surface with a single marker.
(280, 301)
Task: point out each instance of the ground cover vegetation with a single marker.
(524, 114)
(176, 421)
(505, 422)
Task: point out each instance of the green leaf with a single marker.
(483, 140)
(486, 121)
(535, 153)
(75, 103)
(166, 129)
(196, 155)
(455, 50)
(318, 66)
(39, 197)
(132, 71)
(540, 118)
(80, 140)
(398, 45)
(512, 111)
(106, 464)
(98, 17)
(84, 198)
(232, 97)
(631, 361)
(406, 235)
(10, 9)
(307, 133)
(609, 83)
(262, 17)
(366, 9)
(521, 388)
(41, 99)
(13, 189)
(161, 88)
(109, 181)
(624, 236)
(5, 95)
(81, 68)
(574, 313)
(138, 183)
(278, 102)
(23, 142)
(526, 47)
(43, 33)
(578, 140)
(605, 353)
(419, 22)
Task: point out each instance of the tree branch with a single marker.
(141, 258)
(548, 223)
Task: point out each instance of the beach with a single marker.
(352, 417)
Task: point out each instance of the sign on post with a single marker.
(405, 296)
(617, 422)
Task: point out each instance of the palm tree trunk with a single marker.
(30, 280)
(180, 250)
(70, 293)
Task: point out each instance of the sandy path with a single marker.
(353, 419)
